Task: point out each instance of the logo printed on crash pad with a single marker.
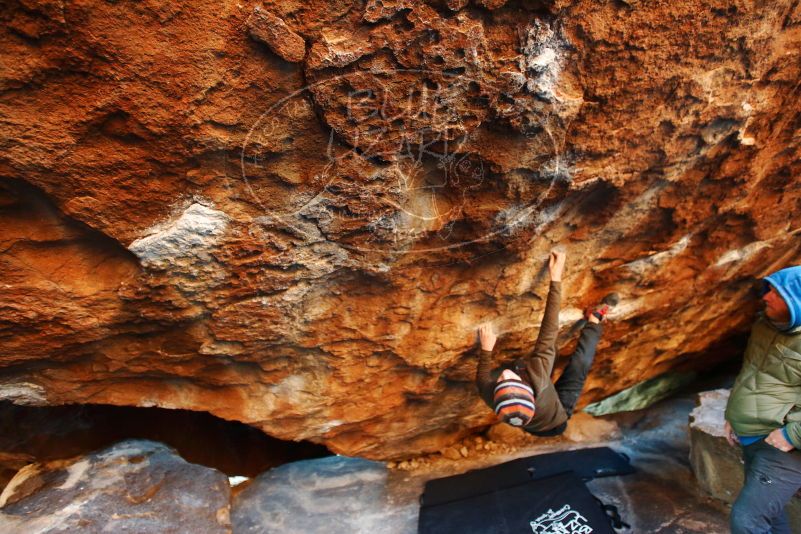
(563, 521)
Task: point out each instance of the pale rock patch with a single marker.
(192, 234)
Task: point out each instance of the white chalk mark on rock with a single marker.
(23, 393)
(657, 259)
(192, 234)
(541, 61)
(741, 254)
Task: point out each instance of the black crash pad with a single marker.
(584, 463)
(560, 504)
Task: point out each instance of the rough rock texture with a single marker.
(190, 221)
(134, 486)
(330, 494)
(272, 31)
(718, 466)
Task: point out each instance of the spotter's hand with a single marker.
(777, 439)
(731, 437)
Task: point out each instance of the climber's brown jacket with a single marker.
(535, 369)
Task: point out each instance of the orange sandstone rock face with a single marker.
(296, 215)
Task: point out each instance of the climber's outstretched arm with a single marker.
(484, 381)
(544, 354)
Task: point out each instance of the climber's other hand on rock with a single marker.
(556, 264)
(487, 337)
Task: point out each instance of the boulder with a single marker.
(307, 242)
(134, 486)
(339, 493)
(718, 466)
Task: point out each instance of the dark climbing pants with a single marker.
(569, 386)
(771, 479)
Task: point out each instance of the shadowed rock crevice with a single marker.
(42, 434)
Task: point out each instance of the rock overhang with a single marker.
(317, 265)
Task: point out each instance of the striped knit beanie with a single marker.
(514, 402)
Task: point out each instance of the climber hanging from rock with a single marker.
(521, 391)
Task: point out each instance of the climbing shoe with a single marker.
(601, 310)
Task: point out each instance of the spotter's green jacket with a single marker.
(767, 392)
